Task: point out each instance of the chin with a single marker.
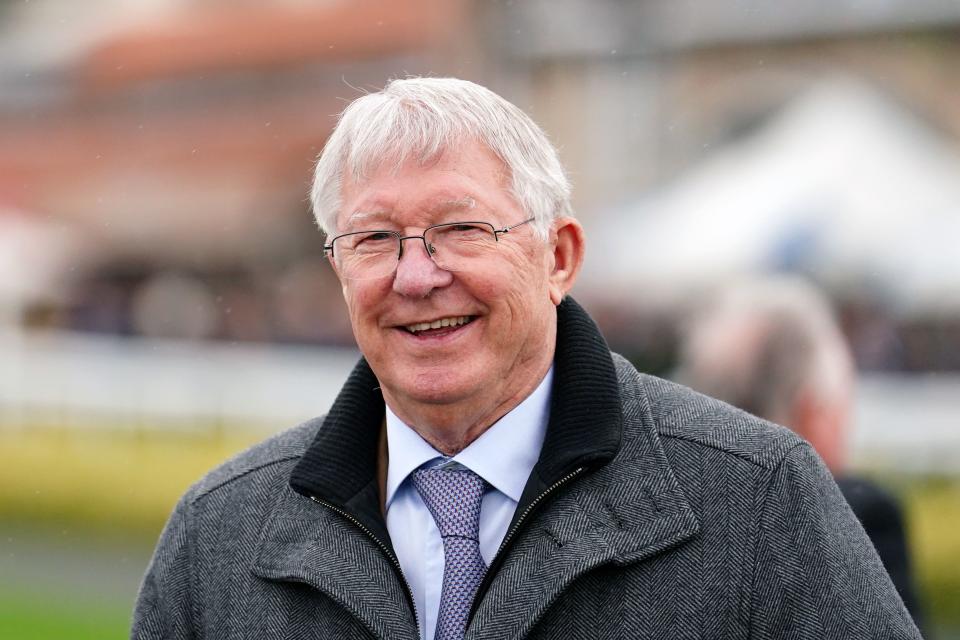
(435, 387)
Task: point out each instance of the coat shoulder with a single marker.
(277, 453)
(677, 412)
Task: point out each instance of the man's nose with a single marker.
(417, 274)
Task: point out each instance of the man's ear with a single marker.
(336, 272)
(822, 422)
(333, 265)
(568, 245)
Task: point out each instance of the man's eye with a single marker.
(374, 241)
(465, 228)
(377, 236)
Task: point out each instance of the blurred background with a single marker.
(164, 302)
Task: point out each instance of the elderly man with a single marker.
(772, 346)
(490, 469)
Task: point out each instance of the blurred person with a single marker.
(773, 347)
(101, 305)
(309, 318)
(245, 314)
(172, 305)
(490, 469)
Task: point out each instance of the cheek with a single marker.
(529, 282)
(361, 301)
(526, 265)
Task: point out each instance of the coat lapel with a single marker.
(309, 543)
(577, 534)
(629, 510)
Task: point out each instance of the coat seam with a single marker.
(764, 495)
(206, 491)
(746, 457)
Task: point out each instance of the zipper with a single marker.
(507, 539)
(533, 505)
(386, 550)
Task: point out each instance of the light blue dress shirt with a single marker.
(504, 456)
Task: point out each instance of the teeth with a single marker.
(437, 324)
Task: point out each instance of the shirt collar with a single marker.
(503, 455)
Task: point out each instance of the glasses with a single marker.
(453, 246)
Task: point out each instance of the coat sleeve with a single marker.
(164, 607)
(816, 573)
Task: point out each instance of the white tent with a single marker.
(843, 184)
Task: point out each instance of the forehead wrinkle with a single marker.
(360, 216)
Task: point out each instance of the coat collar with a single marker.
(340, 466)
(628, 508)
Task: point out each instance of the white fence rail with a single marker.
(80, 380)
(905, 422)
(908, 422)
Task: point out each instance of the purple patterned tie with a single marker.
(453, 497)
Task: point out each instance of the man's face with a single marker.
(507, 343)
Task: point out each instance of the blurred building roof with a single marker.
(562, 28)
(190, 130)
(213, 38)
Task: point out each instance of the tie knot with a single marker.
(453, 497)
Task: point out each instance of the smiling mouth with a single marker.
(452, 322)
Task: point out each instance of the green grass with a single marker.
(102, 485)
(114, 481)
(123, 483)
(933, 516)
(35, 616)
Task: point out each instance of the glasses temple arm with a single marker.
(514, 226)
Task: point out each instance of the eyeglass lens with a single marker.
(453, 247)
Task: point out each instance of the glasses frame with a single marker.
(328, 248)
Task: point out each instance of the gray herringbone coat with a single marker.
(672, 516)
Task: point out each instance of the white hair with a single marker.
(760, 344)
(421, 118)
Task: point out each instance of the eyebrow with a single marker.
(444, 206)
(452, 205)
(364, 215)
